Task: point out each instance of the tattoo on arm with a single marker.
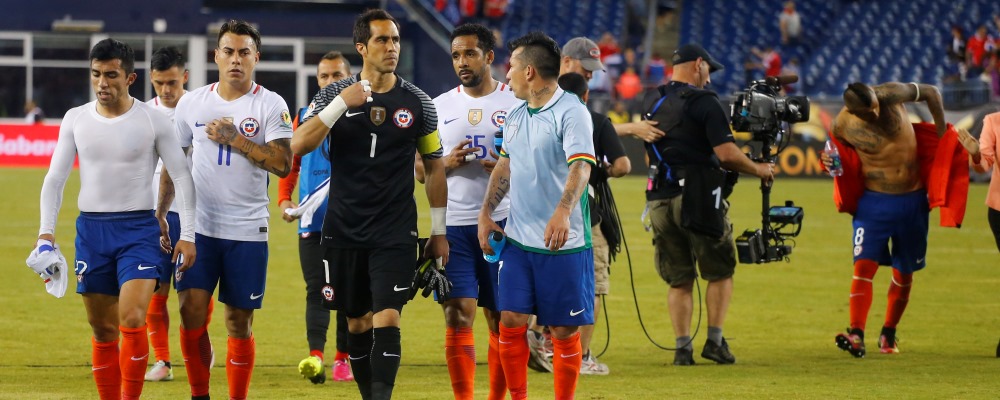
(579, 173)
(166, 195)
(272, 157)
(228, 133)
(498, 190)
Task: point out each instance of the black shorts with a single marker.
(369, 280)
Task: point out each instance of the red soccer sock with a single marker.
(861, 292)
(197, 350)
(899, 297)
(340, 356)
(316, 353)
(239, 367)
(498, 384)
(514, 358)
(158, 325)
(133, 358)
(107, 373)
(566, 359)
(460, 353)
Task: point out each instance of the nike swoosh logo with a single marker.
(920, 260)
(141, 268)
(356, 358)
(503, 342)
(151, 333)
(198, 125)
(386, 354)
(231, 361)
(448, 121)
(140, 358)
(569, 355)
(99, 368)
(351, 114)
(399, 289)
(857, 294)
(574, 313)
(255, 296)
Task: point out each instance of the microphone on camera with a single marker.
(781, 80)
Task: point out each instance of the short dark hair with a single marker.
(574, 83)
(858, 92)
(540, 51)
(483, 34)
(168, 57)
(240, 27)
(362, 25)
(113, 49)
(334, 55)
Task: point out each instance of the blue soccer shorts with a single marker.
(238, 267)
(470, 274)
(896, 220)
(558, 288)
(167, 268)
(114, 248)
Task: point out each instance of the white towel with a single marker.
(309, 204)
(48, 262)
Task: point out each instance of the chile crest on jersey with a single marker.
(499, 118)
(249, 127)
(403, 118)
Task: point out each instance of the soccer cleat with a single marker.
(718, 353)
(342, 371)
(591, 366)
(312, 369)
(888, 345)
(538, 359)
(684, 356)
(160, 372)
(851, 342)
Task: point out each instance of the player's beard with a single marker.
(474, 80)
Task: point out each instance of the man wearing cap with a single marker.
(688, 167)
(581, 55)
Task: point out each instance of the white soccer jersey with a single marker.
(232, 191)
(117, 158)
(461, 117)
(157, 104)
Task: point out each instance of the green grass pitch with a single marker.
(780, 327)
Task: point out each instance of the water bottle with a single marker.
(836, 169)
(498, 139)
(497, 241)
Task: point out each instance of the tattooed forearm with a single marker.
(274, 157)
(498, 191)
(579, 174)
(166, 195)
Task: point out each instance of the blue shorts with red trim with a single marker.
(892, 228)
(114, 248)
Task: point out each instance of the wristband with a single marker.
(438, 222)
(333, 111)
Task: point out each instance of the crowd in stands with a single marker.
(976, 57)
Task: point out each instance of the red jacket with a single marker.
(944, 171)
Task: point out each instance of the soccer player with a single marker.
(547, 154)
(375, 121)
(316, 169)
(168, 76)
(118, 259)
(614, 163)
(470, 116)
(894, 204)
(240, 132)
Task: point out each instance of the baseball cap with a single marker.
(586, 51)
(691, 52)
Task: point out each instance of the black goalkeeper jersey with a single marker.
(371, 165)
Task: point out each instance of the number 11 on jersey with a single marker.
(228, 151)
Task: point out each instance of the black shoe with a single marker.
(718, 353)
(852, 342)
(683, 356)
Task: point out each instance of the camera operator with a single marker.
(685, 198)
